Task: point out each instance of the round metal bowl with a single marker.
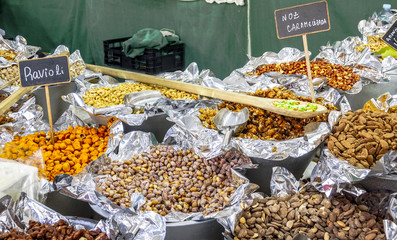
(379, 183)
(263, 173)
(70, 207)
(58, 106)
(358, 100)
(197, 230)
(157, 124)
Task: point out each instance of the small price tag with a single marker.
(302, 19)
(44, 71)
(390, 36)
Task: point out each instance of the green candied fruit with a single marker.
(296, 106)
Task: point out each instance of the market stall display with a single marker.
(183, 175)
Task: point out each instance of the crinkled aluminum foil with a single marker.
(283, 182)
(19, 46)
(336, 173)
(84, 185)
(385, 101)
(122, 225)
(391, 225)
(74, 57)
(376, 24)
(27, 120)
(206, 142)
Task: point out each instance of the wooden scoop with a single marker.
(264, 103)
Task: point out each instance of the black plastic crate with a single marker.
(168, 59)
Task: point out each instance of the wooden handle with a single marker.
(13, 98)
(8, 83)
(264, 103)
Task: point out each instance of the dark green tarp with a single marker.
(215, 34)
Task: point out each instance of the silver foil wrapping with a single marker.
(27, 120)
(376, 24)
(335, 174)
(189, 130)
(122, 225)
(20, 47)
(390, 225)
(83, 185)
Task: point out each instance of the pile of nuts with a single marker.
(72, 150)
(10, 74)
(267, 125)
(171, 180)
(60, 230)
(77, 68)
(110, 96)
(375, 43)
(337, 76)
(362, 138)
(309, 213)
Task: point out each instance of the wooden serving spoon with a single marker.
(264, 103)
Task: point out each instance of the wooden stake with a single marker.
(47, 97)
(309, 72)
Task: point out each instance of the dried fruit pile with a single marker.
(337, 76)
(171, 180)
(267, 125)
(72, 150)
(362, 138)
(309, 213)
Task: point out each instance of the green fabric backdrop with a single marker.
(215, 35)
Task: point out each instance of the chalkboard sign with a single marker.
(390, 36)
(302, 19)
(44, 71)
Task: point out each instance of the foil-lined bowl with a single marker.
(358, 100)
(200, 230)
(262, 175)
